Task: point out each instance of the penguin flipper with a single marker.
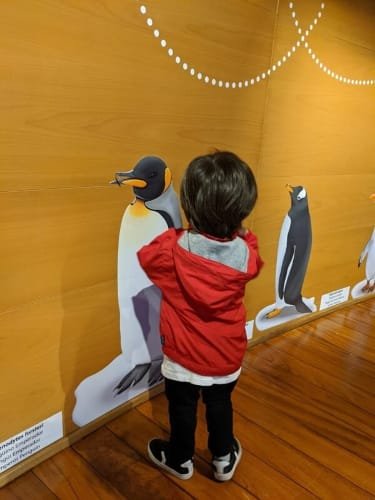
(132, 378)
(364, 253)
(155, 375)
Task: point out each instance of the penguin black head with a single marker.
(298, 197)
(149, 178)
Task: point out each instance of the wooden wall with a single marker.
(86, 89)
(319, 133)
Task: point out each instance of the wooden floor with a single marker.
(304, 413)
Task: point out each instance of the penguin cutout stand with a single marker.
(138, 367)
(367, 286)
(292, 260)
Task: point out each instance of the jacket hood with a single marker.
(209, 285)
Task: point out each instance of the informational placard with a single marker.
(30, 441)
(249, 329)
(334, 298)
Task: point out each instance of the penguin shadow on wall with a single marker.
(291, 265)
(138, 367)
(367, 286)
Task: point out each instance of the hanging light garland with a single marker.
(253, 80)
(317, 60)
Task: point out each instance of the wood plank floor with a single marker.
(304, 413)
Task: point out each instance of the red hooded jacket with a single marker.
(202, 317)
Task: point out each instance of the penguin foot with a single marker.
(302, 307)
(367, 288)
(155, 375)
(132, 378)
(273, 313)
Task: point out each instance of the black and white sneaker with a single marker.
(225, 466)
(158, 451)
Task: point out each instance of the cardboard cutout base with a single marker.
(95, 395)
(357, 290)
(289, 313)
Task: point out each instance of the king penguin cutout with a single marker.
(292, 261)
(138, 367)
(367, 286)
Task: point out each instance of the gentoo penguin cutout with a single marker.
(367, 286)
(137, 368)
(292, 260)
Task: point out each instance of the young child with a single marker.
(202, 273)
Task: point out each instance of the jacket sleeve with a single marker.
(255, 261)
(156, 257)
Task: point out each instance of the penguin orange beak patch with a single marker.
(289, 188)
(372, 196)
(139, 183)
(167, 178)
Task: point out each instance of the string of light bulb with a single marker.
(333, 74)
(203, 77)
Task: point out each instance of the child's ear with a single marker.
(242, 231)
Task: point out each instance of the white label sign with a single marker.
(331, 299)
(28, 442)
(249, 329)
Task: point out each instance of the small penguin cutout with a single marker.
(367, 286)
(292, 260)
(138, 366)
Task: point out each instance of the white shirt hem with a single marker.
(175, 371)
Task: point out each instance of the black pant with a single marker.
(183, 399)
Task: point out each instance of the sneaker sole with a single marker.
(165, 467)
(226, 477)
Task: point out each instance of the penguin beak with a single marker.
(372, 197)
(129, 179)
(289, 188)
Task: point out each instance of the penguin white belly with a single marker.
(139, 226)
(95, 395)
(370, 260)
(281, 249)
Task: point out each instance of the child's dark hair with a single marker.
(218, 191)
